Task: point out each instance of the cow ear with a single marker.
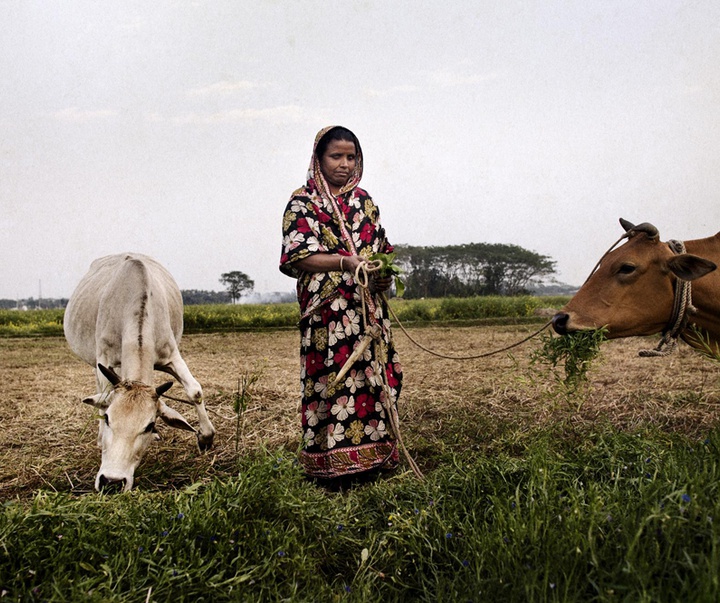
(173, 418)
(101, 401)
(161, 389)
(110, 374)
(690, 267)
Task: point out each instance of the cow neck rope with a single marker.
(682, 309)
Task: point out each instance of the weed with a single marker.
(701, 341)
(241, 400)
(575, 352)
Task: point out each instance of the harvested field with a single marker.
(48, 438)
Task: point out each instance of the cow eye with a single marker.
(626, 269)
(150, 428)
(107, 421)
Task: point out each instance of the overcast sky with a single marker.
(180, 129)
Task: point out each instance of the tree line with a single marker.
(236, 283)
(472, 269)
(428, 271)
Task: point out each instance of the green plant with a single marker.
(575, 351)
(627, 517)
(241, 400)
(389, 268)
(701, 341)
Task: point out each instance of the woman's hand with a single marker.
(381, 283)
(351, 262)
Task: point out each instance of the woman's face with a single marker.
(338, 163)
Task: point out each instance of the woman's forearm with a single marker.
(329, 262)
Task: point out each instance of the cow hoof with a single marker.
(205, 442)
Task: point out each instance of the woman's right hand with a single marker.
(351, 262)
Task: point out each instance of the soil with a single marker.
(48, 437)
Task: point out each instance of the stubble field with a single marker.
(48, 437)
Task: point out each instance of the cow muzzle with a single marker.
(112, 485)
(560, 323)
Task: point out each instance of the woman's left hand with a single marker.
(381, 283)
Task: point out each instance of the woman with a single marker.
(330, 227)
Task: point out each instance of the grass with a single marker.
(521, 502)
(620, 517)
(575, 352)
(227, 317)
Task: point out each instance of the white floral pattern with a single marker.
(343, 407)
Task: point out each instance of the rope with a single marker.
(362, 277)
(615, 244)
(474, 357)
(682, 309)
(179, 400)
(373, 333)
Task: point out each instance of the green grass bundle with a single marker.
(388, 268)
(575, 352)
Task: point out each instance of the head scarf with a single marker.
(316, 176)
(316, 221)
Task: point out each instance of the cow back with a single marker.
(114, 297)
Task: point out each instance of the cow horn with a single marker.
(161, 389)
(626, 225)
(631, 230)
(110, 374)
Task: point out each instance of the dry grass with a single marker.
(48, 437)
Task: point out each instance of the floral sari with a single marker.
(346, 430)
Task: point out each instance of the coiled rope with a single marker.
(373, 333)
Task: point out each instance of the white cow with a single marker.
(125, 318)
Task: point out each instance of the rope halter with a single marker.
(681, 312)
(682, 304)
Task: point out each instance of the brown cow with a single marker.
(633, 289)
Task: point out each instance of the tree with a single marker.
(471, 269)
(237, 283)
(193, 297)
